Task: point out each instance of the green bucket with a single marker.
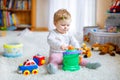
(71, 62)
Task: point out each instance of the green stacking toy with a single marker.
(71, 60)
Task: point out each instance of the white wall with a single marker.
(102, 7)
(41, 13)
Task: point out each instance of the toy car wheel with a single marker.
(35, 71)
(26, 72)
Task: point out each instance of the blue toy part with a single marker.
(94, 30)
(72, 52)
(28, 67)
(12, 55)
(36, 60)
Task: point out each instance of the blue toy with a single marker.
(31, 66)
(28, 67)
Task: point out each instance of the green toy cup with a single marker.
(71, 62)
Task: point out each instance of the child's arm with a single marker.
(53, 42)
(74, 42)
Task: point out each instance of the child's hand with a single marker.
(64, 47)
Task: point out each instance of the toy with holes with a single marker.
(31, 66)
(71, 59)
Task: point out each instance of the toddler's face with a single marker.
(63, 26)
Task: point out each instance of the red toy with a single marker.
(40, 60)
(116, 7)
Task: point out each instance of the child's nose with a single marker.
(66, 26)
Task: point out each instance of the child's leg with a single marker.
(54, 60)
(89, 65)
(93, 65)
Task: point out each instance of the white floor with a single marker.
(35, 42)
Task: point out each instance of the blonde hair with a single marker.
(61, 14)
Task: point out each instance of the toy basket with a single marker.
(13, 49)
(104, 37)
(87, 32)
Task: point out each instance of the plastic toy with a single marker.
(28, 67)
(71, 59)
(13, 50)
(106, 48)
(116, 7)
(31, 66)
(87, 38)
(118, 50)
(86, 50)
(96, 46)
(40, 60)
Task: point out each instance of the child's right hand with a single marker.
(64, 47)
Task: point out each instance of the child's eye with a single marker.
(68, 25)
(63, 25)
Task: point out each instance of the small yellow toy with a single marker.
(86, 50)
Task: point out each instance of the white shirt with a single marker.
(56, 40)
